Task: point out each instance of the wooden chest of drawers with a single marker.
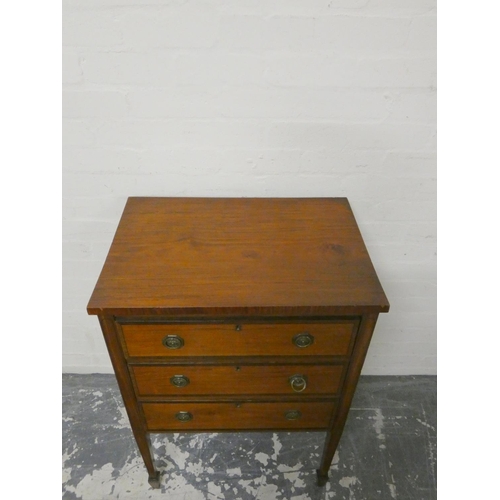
(225, 314)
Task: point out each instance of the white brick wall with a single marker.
(255, 98)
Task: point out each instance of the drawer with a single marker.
(187, 380)
(234, 416)
(253, 339)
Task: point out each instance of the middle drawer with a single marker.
(188, 380)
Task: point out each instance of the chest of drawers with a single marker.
(225, 314)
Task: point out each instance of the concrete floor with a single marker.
(387, 451)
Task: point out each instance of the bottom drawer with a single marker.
(237, 416)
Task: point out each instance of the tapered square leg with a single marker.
(337, 426)
(154, 480)
(131, 405)
(322, 478)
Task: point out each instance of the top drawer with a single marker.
(242, 339)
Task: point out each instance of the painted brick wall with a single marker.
(255, 98)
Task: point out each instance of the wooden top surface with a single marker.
(256, 256)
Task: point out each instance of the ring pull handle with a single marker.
(179, 380)
(184, 416)
(304, 339)
(292, 414)
(298, 382)
(173, 342)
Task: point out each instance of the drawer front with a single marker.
(237, 379)
(234, 416)
(280, 339)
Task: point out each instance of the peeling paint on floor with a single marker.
(387, 451)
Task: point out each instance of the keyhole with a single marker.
(238, 368)
(238, 328)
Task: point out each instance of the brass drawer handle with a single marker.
(298, 382)
(173, 342)
(303, 339)
(293, 414)
(179, 380)
(184, 416)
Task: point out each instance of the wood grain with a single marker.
(237, 280)
(219, 255)
(235, 416)
(238, 379)
(330, 339)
